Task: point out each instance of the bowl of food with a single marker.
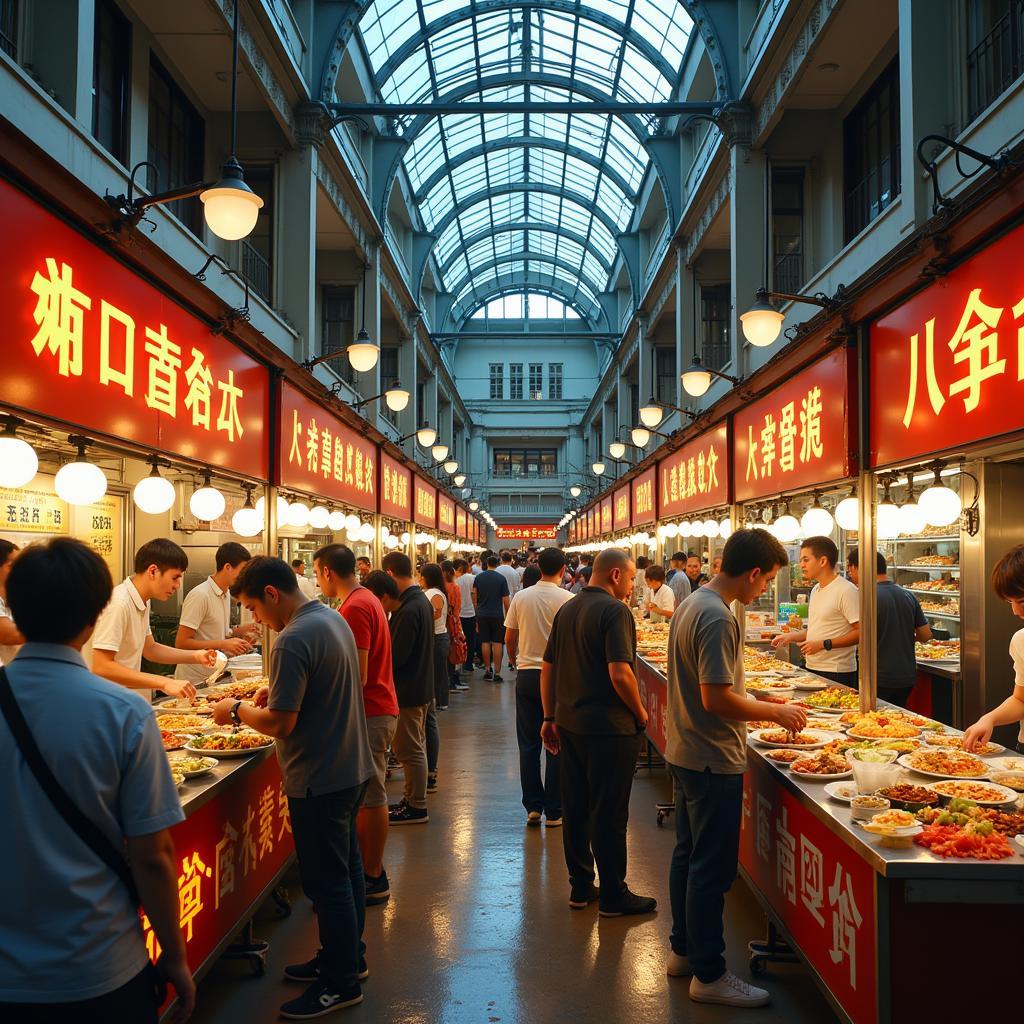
(896, 828)
(905, 796)
(1012, 780)
(864, 808)
(873, 767)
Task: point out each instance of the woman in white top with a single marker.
(660, 602)
(10, 638)
(432, 582)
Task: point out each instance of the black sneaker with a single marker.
(364, 971)
(408, 815)
(629, 903)
(400, 806)
(306, 973)
(460, 687)
(580, 899)
(432, 782)
(488, 676)
(496, 678)
(319, 1000)
(377, 889)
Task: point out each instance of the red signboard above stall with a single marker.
(947, 367)
(525, 531)
(460, 523)
(798, 435)
(696, 477)
(621, 509)
(395, 489)
(424, 511)
(606, 515)
(89, 342)
(643, 498)
(319, 454)
(445, 513)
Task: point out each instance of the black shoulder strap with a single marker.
(86, 830)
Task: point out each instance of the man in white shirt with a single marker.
(527, 628)
(123, 636)
(660, 601)
(829, 644)
(467, 612)
(10, 636)
(515, 582)
(205, 623)
(306, 585)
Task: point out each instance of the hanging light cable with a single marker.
(363, 352)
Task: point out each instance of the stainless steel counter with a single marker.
(200, 790)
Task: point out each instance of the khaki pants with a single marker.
(410, 747)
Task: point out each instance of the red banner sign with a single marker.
(820, 888)
(654, 694)
(395, 489)
(424, 511)
(606, 515)
(798, 435)
(947, 367)
(643, 498)
(696, 477)
(460, 523)
(322, 456)
(588, 530)
(445, 513)
(525, 531)
(227, 853)
(90, 343)
(621, 509)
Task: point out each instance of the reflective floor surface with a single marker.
(478, 928)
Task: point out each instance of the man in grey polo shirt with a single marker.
(314, 709)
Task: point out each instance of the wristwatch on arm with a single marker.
(234, 713)
(827, 644)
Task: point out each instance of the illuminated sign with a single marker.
(425, 510)
(643, 498)
(606, 515)
(395, 488)
(528, 531)
(445, 513)
(695, 477)
(621, 509)
(460, 522)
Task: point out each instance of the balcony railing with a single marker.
(256, 270)
(507, 473)
(9, 28)
(789, 272)
(996, 60)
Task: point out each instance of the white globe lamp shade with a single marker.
(474, 505)
(363, 353)
(887, 520)
(451, 466)
(426, 436)
(640, 436)
(18, 460)
(405, 538)
(575, 491)
(298, 514)
(816, 522)
(230, 207)
(153, 495)
(651, 414)
(247, 522)
(396, 398)
(685, 529)
(459, 480)
(696, 380)
(440, 452)
(787, 528)
(391, 542)
(384, 531)
(616, 449)
(366, 533)
(352, 536)
(941, 505)
(697, 528)
(598, 468)
(282, 508)
(82, 483)
(848, 513)
(207, 503)
(671, 530)
(762, 323)
(912, 520)
(725, 529)
(319, 517)
(336, 521)
(352, 522)
(711, 528)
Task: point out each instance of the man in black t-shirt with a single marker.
(594, 718)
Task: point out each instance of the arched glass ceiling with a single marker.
(479, 178)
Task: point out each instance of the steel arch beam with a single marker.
(525, 142)
(646, 49)
(510, 227)
(508, 284)
(523, 257)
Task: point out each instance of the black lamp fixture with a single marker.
(1001, 164)
(396, 397)
(363, 353)
(230, 207)
(762, 322)
(425, 435)
(697, 379)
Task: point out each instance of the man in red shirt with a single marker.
(336, 574)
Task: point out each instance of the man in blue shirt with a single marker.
(71, 946)
(491, 599)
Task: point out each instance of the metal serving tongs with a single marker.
(219, 670)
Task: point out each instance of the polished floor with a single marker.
(478, 929)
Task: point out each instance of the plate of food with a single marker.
(945, 764)
(183, 705)
(770, 683)
(957, 743)
(894, 824)
(833, 698)
(178, 777)
(905, 796)
(844, 792)
(985, 794)
(785, 756)
(172, 722)
(228, 744)
(828, 723)
(764, 724)
(1007, 764)
(192, 767)
(823, 767)
(173, 740)
(1012, 780)
(809, 683)
(973, 841)
(810, 739)
(882, 729)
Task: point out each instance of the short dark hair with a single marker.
(492, 562)
(550, 561)
(1007, 575)
(747, 550)
(363, 558)
(822, 547)
(83, 575)
(162, 553)
(397, 563)
(381, 585)
(531, 576)
(692, 554)
(262, 572)
(232, 553)
(341, 560)
(853, 558)
(432, 576)
(7, 548)
(448, 568)
(655, 572)
(587, 571)
(679, 556)
(642, 562)
(506, 556)
(461, 563)
(298, 563)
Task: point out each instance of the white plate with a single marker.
(1019, 840)
(175, 757)
(809, 684)
(891, 833)
(904, 760)
(1009, 794)
(844, 792)
(201, 752)
(1007, 764)
(181, 706)
(854, 735)
(930, 739)
(812, 710)
(821, 737)
(820, 778)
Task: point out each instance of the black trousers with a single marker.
(597, 779)
(134, 1001)
(844, 678)
(538, 794)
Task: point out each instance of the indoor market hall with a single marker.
(509, 510)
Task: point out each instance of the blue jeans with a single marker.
(327, 849)
(704, 865)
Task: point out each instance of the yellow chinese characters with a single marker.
(396, 487)
(795, 438)
(315, 449)
(643, 497)
(690, 477)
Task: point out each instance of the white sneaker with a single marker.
(728, 990)
(678, 966)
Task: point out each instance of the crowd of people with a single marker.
(359, 677)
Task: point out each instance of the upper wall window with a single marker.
(555, 381)
(515, 381)
(871, 153)
(175, 143)
(536, 380)
(532, 306)
(9, 28)
(497, 380)
(995, 41)
(715, 302)
(111, 79)
(787, 229)
(665, 373)
(337, 331)
(256, 252)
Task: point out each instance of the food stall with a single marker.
(425, 519)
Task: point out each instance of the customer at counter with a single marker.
(10, 636)
(1008, 583)
(123, 636)
(205, 622)
(660, 601)
(72, 948)
(707, 755)
(314, 710)
(686, 582)
(829, 643)
(900, 622)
